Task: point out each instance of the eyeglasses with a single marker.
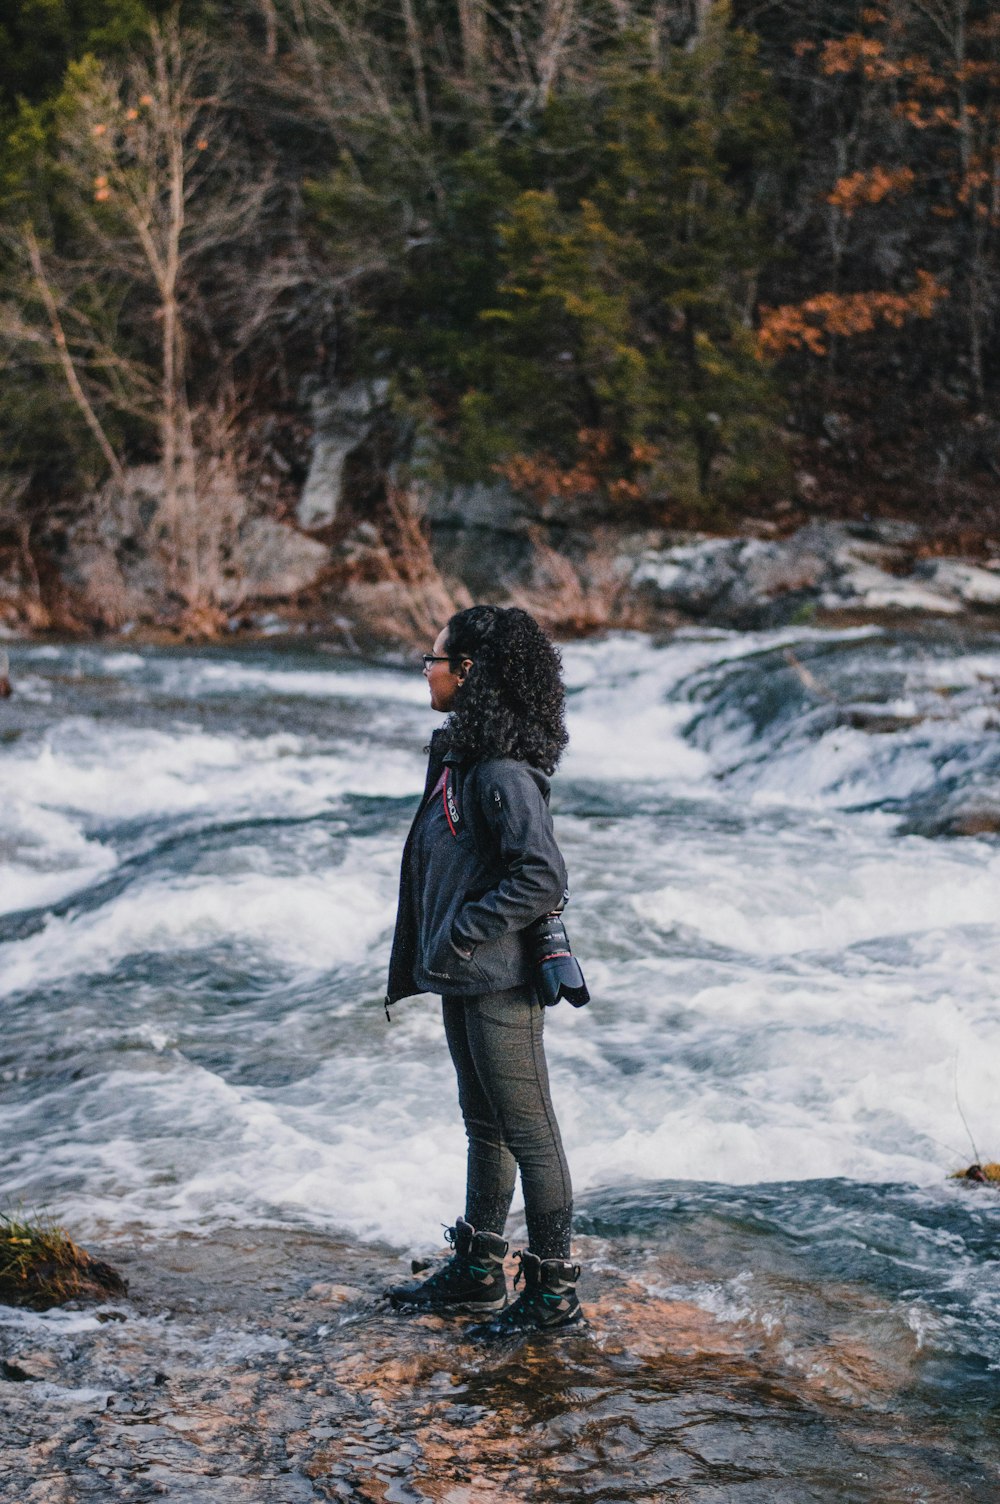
(430, 658)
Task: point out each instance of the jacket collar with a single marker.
(449, 759)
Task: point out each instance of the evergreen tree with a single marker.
(580, 316)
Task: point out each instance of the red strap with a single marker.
(444, 801)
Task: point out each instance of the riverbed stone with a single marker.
(202, 1395)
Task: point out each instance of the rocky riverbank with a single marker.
(823, 571)
(351, 542)
(263, 1365)
(361, 592)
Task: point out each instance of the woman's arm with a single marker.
(511, 798)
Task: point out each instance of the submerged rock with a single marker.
(264, 1366)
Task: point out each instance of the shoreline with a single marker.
(823, 573)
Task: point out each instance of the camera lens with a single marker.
(557, 971)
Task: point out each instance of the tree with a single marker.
(611, 349)
(913, 185)
(146, 193)
(38, 41)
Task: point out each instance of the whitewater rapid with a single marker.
(792, 956)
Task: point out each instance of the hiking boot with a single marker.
(547, 1302)
(471, 1282)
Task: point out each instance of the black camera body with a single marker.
(557, 971)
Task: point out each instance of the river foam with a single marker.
(787, 975)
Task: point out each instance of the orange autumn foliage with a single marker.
(542, 477)
(858, 188)
(808, 325)
(945, 95)
(842, 55)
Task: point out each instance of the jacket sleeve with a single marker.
(511, 798)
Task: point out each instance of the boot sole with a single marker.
(453, 1308)
(576, 1323)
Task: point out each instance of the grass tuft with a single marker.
(41, 1266)
(988, 1174)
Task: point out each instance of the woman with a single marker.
(480, 865)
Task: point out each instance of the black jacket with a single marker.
(502, 871)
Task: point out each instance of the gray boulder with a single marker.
(969, 583)
(829, 566)
(744, 582)
(116, 558)
(271, 561)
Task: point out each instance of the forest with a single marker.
(668, 263)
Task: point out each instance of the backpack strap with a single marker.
(452, 813)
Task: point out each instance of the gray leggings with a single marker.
(503, 1091)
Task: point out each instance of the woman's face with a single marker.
(440, 679)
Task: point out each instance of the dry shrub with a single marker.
(202, 623)
(988, 1174)
(394, 586)
(41, 1266)
(21, 593)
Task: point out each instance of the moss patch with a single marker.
(41, 1266)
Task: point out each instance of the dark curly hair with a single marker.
(512, 701)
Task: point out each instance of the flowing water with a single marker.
(786, 895)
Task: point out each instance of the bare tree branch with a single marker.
(65, 359)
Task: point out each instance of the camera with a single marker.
(557, 971)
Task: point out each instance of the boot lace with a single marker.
(527, 1298)
(449, 1271)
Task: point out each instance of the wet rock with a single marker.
(827, 567)
(747, 582)
(865, 587)
(265, 1406)
(969, 583)
(336, 1294)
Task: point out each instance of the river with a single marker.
(786, 895)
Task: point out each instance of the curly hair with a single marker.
(512, 701)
